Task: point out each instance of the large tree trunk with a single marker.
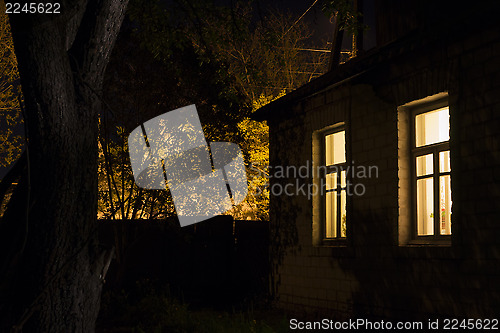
(51, 266)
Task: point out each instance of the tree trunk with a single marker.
(51, 265)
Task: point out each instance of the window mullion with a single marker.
(437, 198)
(339, 209)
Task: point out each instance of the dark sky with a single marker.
(319, 23)
(315, 18)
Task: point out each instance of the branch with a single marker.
(74, 20)
(99, 28)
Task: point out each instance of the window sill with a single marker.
(336, 248)
(340, 242)
(429, 242)
(423, 248)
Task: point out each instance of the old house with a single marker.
(387, 204)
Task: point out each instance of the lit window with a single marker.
(432, 173)
(335, 185)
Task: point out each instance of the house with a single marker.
(387, 203)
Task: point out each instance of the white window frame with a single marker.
(329, 169)
(408, 153)
(433, 149)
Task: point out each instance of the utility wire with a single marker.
(300, 18)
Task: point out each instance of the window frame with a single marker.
(324, 170)
(415, 152)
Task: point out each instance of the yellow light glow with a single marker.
(335, 148)
(432, 127)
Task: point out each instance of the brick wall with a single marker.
(376, 273)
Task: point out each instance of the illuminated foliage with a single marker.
(10, 114)
(219, 58)
(255, 144)
(119, 197)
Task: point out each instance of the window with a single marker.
(432, 172)
(424, 171)
(334, 182)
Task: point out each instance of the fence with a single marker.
(218, 259)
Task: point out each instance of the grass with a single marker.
(149, 310)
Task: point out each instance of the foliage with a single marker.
(119, 197)
(346, 15)
(219, 58)
(255, 143)
(10, 114)
(137, 88)
(256, 146)
(255, 55)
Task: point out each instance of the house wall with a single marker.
(376, 274)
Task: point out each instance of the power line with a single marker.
(311, 50)
(315, 50)
(300, 18)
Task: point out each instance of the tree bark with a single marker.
(50, 278)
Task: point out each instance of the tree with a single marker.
(224, 61)
(348, 19)
(139, 87)
(51, 267)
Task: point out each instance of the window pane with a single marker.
(342, 179)
(343, 231)
(444, 161)
(424, 165)
(425, 207)
(335, 148)
(331, 214)
(432, 127)
(331, 181)
(445, 204)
